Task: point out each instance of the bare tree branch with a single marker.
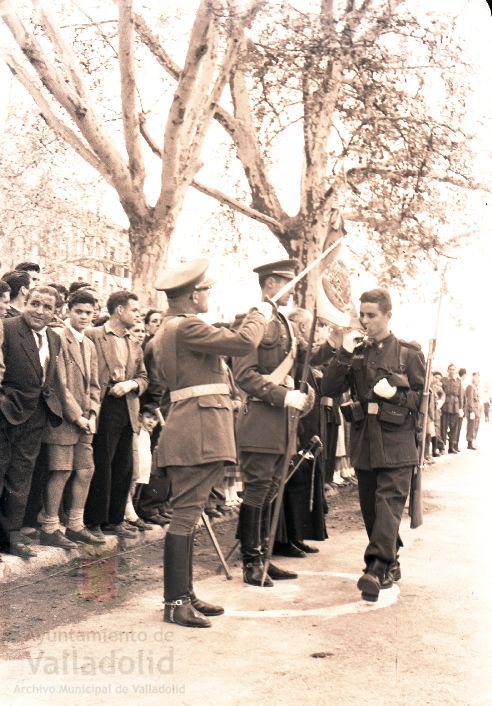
(129, 93)
(61, 129)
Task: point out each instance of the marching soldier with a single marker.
(265, 374)
(386, 377)
(198, 436)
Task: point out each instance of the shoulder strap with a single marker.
(284, 368)
(402, 357)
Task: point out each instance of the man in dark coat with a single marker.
(122, 379)
(385, 376)
(29, 400)
(266, 376)
(198, 436)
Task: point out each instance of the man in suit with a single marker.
(28, 401)
(198, 437)
(122, 379)
(266, 375)
(69, 446)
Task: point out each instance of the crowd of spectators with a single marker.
(81, 410)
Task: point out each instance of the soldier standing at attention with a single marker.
(266, 376)
(386, 377)
(198, 436)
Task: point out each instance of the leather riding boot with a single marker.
(275, 572)
(202, 607)
(370, 583)
(177, 602)
(249, 536)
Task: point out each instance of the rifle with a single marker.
(294, 421)
(415, 506)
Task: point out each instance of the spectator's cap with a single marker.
(281, 268)
(185, 278)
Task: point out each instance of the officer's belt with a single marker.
(326, 401)
(185, 393)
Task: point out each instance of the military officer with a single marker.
(385, 376)
(265, 374)
(198, 436)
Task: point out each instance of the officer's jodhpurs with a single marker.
(261, 476)
(382, 494)
(190, 488)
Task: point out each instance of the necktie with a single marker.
(43, 354)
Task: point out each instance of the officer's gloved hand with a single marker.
(383, 389)
(295, 399)
(350, 339)
(460, 413)
(472, 415)
(266, 309)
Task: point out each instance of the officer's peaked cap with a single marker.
(281, 268)
(184, 278)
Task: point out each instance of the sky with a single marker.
(464, 332)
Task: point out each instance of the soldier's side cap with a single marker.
(185, 278)
(281, 268)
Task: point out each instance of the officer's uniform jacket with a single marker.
(472, 401)
(262, 423)
(453, 390)
(189, 354)
(385, 435)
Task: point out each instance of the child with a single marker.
(142, 462)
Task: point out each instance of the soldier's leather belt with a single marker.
(372, 408)
(185, 393)
(326, 401)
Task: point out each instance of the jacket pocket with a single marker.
(217, 424)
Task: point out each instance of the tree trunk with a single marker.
(149, 247)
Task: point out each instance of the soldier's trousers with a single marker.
(450, 429)
(472, 429)
(382, 495)
(190, 488)
(261, 477)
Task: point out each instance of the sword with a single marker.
(315, 447)
(292, 283)
(217, 548)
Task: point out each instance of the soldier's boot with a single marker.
(393, 574)
(178, 608)
(370, 583)
(249, 536)
(275, 572)
(204, 608)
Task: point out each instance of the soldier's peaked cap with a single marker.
(281, 268)
(184, 278)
